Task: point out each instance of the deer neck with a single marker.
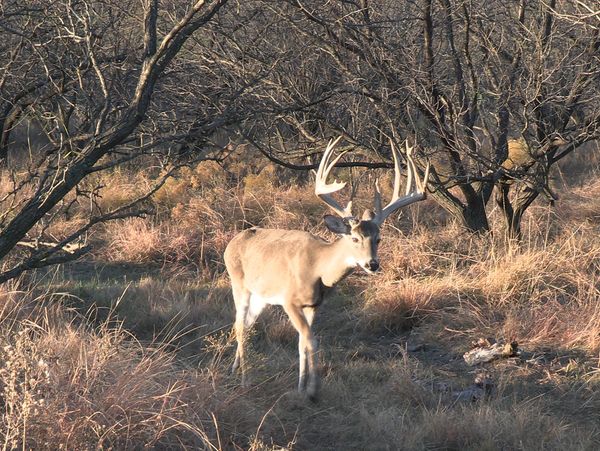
(334, 263)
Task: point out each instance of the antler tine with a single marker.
(425, 177)
(410, 170)
(377, 200)
(411, 195)
(396, 192)
(325, 168)
(323, 189)
(421, 184)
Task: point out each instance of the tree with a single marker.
(557, 97)
(458, 79)
(90, 75)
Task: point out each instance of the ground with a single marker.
(131, 347)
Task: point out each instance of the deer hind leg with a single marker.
(241, 298)
(247, 310)
(307, 346)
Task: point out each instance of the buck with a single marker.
(295, 269)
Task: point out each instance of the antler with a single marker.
(410, 196)
(323, 190)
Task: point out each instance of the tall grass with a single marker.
(135, 350)
(67, 385)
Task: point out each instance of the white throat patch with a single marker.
(351, 261)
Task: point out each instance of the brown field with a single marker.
(131, 347)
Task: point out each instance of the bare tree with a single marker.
(90, 76)
(97, 84)
(582, 12)
(460, 79)
(558, 97)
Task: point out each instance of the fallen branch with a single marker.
(69, 248)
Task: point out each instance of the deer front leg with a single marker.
(307, 346)
(309, 314)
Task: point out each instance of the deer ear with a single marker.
(336, 224)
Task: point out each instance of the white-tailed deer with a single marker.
(295, 269)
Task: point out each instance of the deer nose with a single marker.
(373, 265)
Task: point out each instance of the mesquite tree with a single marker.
(89, 85)
(91, 78)
(458, 79)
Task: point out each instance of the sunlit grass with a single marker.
(132, 348)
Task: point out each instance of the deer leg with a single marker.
(242, 305)
(309, 313)
(308, 343)
(246, 315)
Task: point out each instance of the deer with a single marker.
(296, 270)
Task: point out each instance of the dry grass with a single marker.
(66, 385)
(138, 353)
(194, 234)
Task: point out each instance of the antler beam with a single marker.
(411, 195)
(323, 190)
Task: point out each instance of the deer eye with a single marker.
(378, 240)
(354, 239)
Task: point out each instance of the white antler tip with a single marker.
(332, 142)
(323, 189)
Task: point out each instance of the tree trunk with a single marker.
(472, 215)
(513, 231)
(513, 211)
(8, 119)
(521, 203)
(474, 218)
